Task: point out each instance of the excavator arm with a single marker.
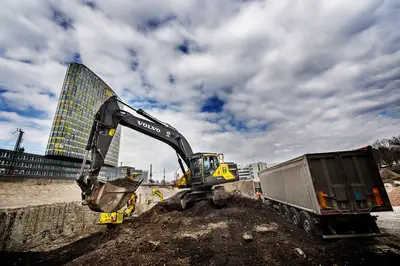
(111, 196)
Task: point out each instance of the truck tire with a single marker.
(306, 223)
(294, 217)
(286, 212)
(280, 209)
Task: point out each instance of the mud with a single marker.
(204, 235)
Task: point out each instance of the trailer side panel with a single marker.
(290, 184)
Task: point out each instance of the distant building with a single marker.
(81, 96)
(244, 171)
(123, 171)
(255, 168)
(34, 165)
(250, 171)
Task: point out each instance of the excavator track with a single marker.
(219, 197)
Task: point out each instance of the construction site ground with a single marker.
(203, 235)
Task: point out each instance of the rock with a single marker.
(154, 245)
(247, 236)
(299, 253)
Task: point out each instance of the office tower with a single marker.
(82, 94)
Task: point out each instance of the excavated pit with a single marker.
(245, 232)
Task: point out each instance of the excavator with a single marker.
(205, 170)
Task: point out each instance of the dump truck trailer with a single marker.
(330, 194)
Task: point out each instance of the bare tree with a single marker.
(387, 151)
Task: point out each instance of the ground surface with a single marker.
(390, 221)
(203, 235)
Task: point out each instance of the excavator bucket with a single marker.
(113, 195)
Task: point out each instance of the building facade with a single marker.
(255, 168)
(244, 171)
(250, 171)
(81, 96)
(33, 165)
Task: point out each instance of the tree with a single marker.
(394, 146)
(395, 141)
(387, 151)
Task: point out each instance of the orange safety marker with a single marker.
(377, 195)
(322, 200)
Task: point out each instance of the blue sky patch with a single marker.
(89, 3)
(187, 47)
(260, 128)
(238, 125)
(28, 112)
(61, 19)
(146, 104)
(183, 47)
(388, 114)
(212, 104)
(77, 58)
(51, 94)
(154, 23)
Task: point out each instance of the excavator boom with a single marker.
(113, 195)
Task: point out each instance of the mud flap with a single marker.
(113, 195)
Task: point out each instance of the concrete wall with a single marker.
(33, 226)
(32, 192)
(29, 227)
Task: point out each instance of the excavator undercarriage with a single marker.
(205, 170)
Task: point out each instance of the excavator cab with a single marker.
(207, 170)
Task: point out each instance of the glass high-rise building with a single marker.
(82, 94)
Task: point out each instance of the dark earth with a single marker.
(204, 235)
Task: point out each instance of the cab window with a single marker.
(196, 167)
(210, 164)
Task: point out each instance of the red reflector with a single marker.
(377, 195)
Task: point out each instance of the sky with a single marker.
(254, 80)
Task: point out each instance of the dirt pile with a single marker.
(394, 196)
(245, 232)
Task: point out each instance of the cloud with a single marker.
(255, 80)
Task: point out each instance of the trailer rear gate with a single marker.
(350, 181)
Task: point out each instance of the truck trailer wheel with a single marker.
(286, 212)
(294, 217)
(307, 223)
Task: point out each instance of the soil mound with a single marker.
(245, 232)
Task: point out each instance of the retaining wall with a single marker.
(29, 227)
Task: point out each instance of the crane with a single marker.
(204, 170)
